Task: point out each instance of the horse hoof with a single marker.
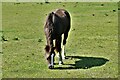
(60, 63)
(63, 58)
(51, 67)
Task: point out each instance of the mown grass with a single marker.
(92, 46)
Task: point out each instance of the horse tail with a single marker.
(69, 19)
(67, 14)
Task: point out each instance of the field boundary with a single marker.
(60, 0)
(0, 41)
(59, 78)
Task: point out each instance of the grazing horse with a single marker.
(57, 23)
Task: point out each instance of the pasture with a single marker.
(92, 45)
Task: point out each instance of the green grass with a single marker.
(92, 46)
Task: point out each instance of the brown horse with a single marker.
(57, 23)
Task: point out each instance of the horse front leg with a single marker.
(51, 65)
(52, 55)
(60, 58)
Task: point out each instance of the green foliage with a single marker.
(92, 46)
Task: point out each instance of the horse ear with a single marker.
(47, 48)
(52, 12)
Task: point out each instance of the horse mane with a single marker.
(49, 19)
(49, 22)
(48, 28)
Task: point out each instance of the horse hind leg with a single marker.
(63, 52)
(65, 38)
(63, 47)
(58, 49)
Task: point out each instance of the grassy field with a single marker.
(92, 46)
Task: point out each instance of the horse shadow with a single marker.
(84, 62)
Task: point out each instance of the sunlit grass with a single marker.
(93, 37)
